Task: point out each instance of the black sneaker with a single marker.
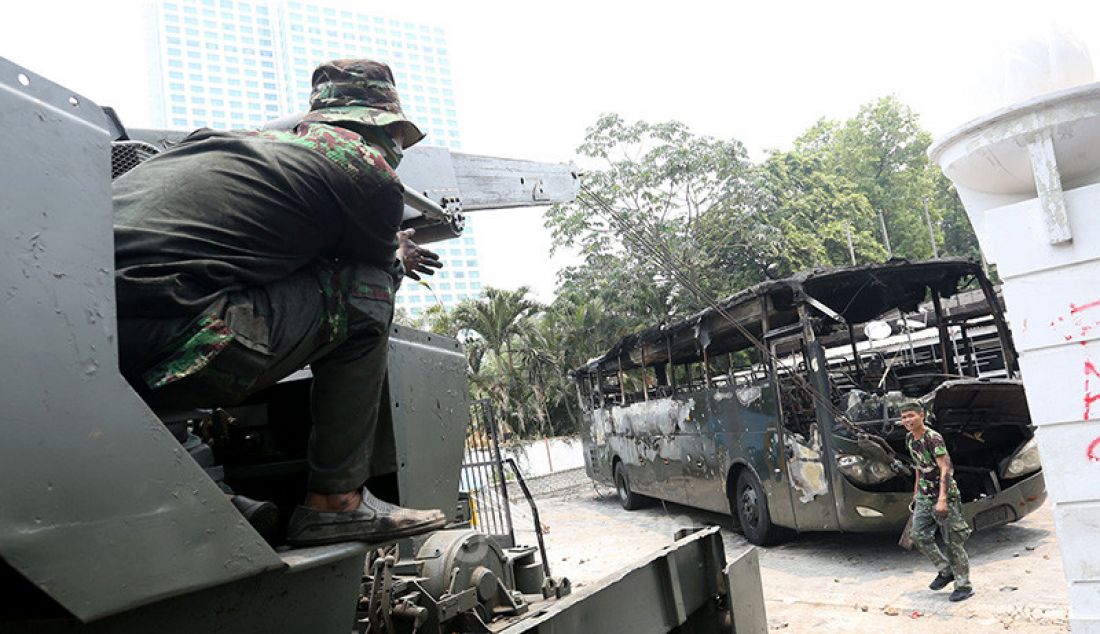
(962, 594)
(375, 521)
(941, 581)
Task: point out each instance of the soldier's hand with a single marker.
(417, 260)
(941, 509)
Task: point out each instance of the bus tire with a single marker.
(751, 506)
(627, 498)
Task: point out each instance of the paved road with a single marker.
(829, 582)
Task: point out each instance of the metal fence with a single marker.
(483, 476)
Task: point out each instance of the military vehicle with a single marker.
(111, 516)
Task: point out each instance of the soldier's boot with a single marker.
(961, 594)
(374, 521)
(943, 578)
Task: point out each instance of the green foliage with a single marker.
(667, 205)
(691, 196)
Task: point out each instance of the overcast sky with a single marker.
(530, 77)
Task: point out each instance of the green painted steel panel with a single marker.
(100, 507)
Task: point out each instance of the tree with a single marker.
(883, 153)
(815, 210)
(498, 318)
(643, 219)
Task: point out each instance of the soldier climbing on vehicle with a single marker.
(243, 256)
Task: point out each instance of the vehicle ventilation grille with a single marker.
(126, 155)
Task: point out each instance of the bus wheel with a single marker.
(752, 510)
(627, 498)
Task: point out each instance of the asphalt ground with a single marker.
(824, 582)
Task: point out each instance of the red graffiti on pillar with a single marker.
(1090, 398)
(1092, 452)
(1073, 308)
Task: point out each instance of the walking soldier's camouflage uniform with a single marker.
(953, 529)
(244, 256)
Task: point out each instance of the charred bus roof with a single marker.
(855, 293)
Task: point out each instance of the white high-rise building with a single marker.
(229, 64)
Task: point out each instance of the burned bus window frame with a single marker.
(776, 393)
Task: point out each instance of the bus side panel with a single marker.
(595, 429)
(741, 428)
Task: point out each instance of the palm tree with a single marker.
(499, 317)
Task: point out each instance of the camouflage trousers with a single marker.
(953, 531)
(336, 319)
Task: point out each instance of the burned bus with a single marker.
(779, 405)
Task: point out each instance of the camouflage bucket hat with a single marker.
(361, 91)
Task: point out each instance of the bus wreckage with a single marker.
(779, 405)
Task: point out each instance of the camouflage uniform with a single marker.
(243, 256)
(953, 529)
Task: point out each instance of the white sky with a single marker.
(530, 77)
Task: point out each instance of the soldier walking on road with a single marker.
(937, 504)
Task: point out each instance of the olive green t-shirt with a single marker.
(224, 211)
(924, 452)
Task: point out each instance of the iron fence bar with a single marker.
(474, 483)
(500, 472)
(484, 474)
(534, 514)
(496, 521)
(489, 512)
